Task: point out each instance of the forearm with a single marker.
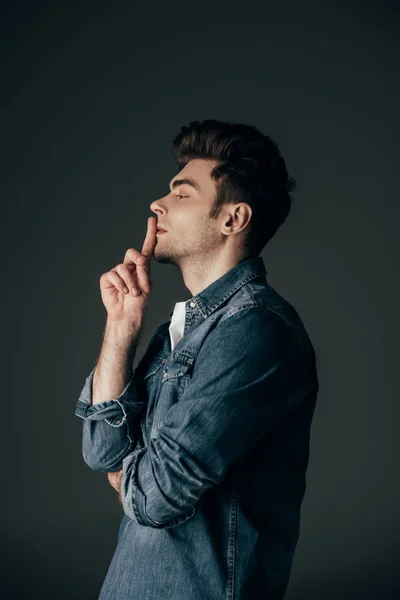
(108, 402)
(114, 365)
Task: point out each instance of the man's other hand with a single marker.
(115, 479)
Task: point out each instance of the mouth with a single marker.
(160, 230)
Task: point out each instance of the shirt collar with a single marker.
(209, 299)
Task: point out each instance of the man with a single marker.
(207, 440)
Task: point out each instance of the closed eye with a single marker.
(178, 195)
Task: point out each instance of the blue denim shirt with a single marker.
(213, 439)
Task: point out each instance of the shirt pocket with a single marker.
(150, 381)
(154, 367)
(178, 371)
(174, 378)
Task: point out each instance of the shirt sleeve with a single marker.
(251, 370)
(109, 430)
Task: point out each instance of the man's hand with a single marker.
(132, 274)
(115, 479)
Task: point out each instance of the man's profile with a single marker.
(207, 439)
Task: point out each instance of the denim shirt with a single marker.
(213, 440)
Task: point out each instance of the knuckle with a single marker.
(121, 269)
(131, 253)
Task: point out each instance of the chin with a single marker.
(162, 257)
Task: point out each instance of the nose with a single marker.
(156, 207)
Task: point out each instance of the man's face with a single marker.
(183, 213)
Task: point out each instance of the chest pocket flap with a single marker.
(154, 366)
(181, 365)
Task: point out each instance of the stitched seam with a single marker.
(176, 520)
(230, 591)
(234, 312)
(248, 289)
(227, 295)
(158, 367)
(127, 422)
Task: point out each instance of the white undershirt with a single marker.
(177, 324)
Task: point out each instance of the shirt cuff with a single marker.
(136, 488)
(115, 411)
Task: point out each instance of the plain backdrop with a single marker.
(92, 95)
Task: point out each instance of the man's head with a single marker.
(239, 197)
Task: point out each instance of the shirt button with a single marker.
(193, 304)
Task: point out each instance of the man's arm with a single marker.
(249, 373)
(114, 365)
(108, 400)
(107, 429)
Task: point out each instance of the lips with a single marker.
(161, 229)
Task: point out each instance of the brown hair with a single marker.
(251, 169)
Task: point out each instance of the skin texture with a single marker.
(204, 249)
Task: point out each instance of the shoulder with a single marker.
(261, 324)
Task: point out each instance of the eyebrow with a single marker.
(191, 182)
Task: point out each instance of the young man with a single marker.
(207, 439)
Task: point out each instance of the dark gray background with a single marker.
(92, 95)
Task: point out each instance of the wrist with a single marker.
(122, 332)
